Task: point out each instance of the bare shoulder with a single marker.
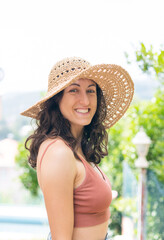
(53, 148)
(55, 160)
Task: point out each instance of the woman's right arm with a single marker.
(57, 175)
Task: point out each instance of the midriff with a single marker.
(97, 232)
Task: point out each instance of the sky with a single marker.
(35, 34)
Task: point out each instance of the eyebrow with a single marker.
(91, 85)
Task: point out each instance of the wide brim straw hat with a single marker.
(114, 81)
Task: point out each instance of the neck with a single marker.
(77, 133)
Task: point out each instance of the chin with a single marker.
(86, 123)
(83, 124)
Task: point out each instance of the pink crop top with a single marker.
(92, 198)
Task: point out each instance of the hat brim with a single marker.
(115, 83)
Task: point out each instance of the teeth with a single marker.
(82, 110)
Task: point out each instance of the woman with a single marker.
(82, 101)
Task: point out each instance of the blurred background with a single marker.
(34, 35)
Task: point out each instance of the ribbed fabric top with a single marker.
(92, 198)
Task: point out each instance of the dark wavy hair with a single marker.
(52, 124)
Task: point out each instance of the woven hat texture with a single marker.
(114, 81)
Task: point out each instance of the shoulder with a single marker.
(55, 160)
(53, 147)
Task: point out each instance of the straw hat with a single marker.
(115, 83)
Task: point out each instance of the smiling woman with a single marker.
(82, 101)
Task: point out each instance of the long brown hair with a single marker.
(52, 124)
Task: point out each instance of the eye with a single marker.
(91, 91)
(73, 90)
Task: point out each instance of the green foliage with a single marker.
(149, 61)
(145, 58)
(127, 205)
(28, 176)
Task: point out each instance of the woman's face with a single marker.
(79, 103)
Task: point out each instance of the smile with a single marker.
(82, 110)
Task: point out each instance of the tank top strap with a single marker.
(49, 146)
(88, 166)
(84, 161)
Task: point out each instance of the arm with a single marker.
(57, 174)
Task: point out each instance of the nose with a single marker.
(84, 99)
